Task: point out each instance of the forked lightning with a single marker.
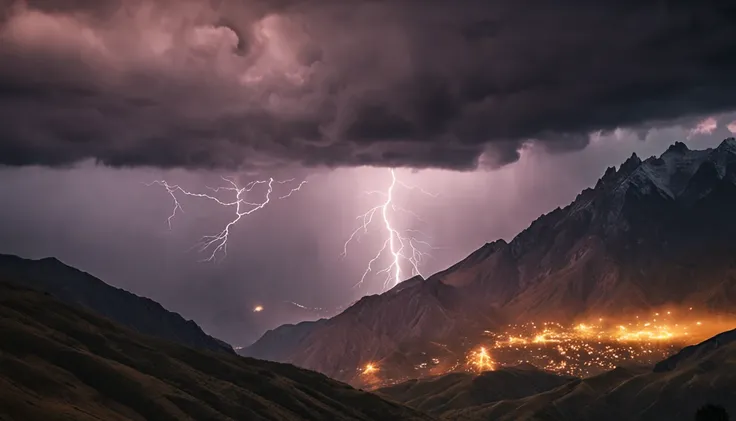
(218, 243)
(402, 246)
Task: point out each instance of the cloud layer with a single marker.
(253, 85)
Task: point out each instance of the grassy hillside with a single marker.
(437, 395)
(59, 362)
(72, 286)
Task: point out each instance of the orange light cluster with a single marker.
(370, 368)
(480, 360)
(585, 348)
(594, 346)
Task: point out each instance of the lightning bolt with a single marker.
(401, 246)
(218, 243)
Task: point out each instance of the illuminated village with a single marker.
(580, 349)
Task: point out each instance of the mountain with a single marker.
(440, 394)
(230, 323)
(61, 362)
(651, 233)
(380, 327)
(79, 288)
(677, 387)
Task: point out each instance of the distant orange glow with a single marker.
(258, 309)
(480, 360)
(370, 368)
(585, 348)
(593, 345)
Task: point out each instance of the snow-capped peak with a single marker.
(669, 174)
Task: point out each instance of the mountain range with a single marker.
(652, 233)
(60, 361)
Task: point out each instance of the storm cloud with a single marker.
(253, 85)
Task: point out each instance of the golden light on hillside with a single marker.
(599, 344)
(480, 360)
(370, 368)
(585, 348)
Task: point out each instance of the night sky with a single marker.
(505, 109)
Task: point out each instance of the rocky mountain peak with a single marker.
(728, 146)
(630, 164)
(609, 178)
(612, 177)
(495, 246)
(729, 141)
(678, 147)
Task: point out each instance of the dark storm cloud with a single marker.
(243, 85)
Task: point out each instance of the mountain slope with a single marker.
(652, 233)
(704, 374)
(79, 288)
(454, 391)
(378, 327)
(59, 362)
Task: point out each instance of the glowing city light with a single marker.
(480, 360)
(370, 368)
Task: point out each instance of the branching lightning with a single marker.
(402, 246)
(405, 249)
(217, 243)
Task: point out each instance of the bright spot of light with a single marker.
(480, 360)
(370, 368)
(257, 309)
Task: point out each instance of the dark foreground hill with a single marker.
(59, 362)
(73, 286)
(674, 390)
(437, 395)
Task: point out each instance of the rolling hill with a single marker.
(440, 394)
(60, 362)
(79, 288)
